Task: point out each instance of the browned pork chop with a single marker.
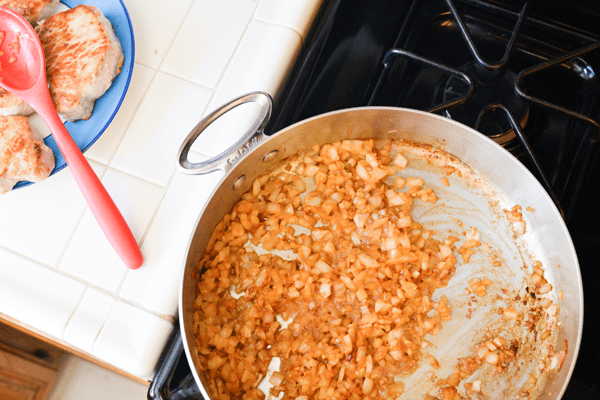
(23, 154)
(83, 57)
(32, 10)
(11, 104)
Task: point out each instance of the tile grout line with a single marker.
(135, 111)
(175, 36)
(228, 64)
(62, 335)
(87, 284)
(102, 327)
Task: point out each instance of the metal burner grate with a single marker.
(509, 115)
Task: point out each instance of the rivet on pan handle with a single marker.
(225, 160)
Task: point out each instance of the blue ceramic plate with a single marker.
(86, 132)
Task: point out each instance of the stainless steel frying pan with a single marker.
(492, 174)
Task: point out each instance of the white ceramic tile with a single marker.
(89, 255)
(35, 295)
(132, 339)
(170, 109)
(216, 28)
(155, 25)
(298, 15)
(261, 62)
(88, 319)
(155, 286)
(105, 147)
(38, 220)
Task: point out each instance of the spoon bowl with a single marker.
(23, 73)
(22, 63)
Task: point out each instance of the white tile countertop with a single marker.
(58, 274)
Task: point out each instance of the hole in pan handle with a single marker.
(225, 160)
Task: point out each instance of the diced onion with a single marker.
(368, 385)
(355, 287)
(276, 378)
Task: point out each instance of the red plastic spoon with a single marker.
(23, 72)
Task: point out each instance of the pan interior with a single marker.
(506, 258)
(470, 201)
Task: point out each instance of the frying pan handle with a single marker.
(168, 382)
(225, 160)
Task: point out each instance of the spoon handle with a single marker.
(103, 208)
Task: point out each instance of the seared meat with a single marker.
(23, 154)
(83, 57)
(10, 104)
(32, 10)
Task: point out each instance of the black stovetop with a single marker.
(413, 54)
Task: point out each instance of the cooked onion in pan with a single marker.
(324, 273)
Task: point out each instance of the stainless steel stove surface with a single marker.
(522, 73)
